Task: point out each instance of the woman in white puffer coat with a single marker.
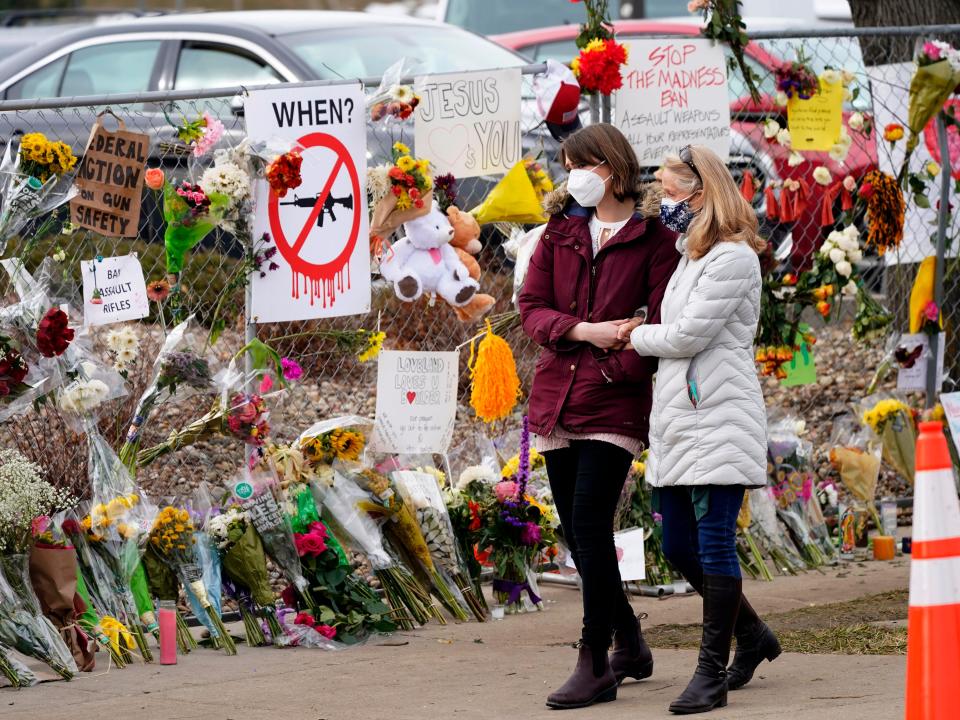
(708, 423)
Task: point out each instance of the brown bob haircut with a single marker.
(603, 143)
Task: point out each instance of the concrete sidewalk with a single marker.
(487, 671)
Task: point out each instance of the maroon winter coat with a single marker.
(580, 387)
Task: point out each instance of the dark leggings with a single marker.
(586, 479)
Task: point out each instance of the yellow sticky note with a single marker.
(815, 123)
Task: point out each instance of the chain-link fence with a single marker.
(336, 382)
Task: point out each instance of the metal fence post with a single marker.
(942, 215)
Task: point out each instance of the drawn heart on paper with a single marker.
(448, 145)
(619, 553)
(411, 396)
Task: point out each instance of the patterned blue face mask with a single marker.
(676, 214)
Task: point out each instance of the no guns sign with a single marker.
(324, 268)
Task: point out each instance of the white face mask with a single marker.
(586, 187)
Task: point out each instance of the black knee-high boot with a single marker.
(708, 688)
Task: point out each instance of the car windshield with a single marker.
(492, 17)
(363, 53)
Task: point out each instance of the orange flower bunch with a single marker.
(172, 535)
(885, 208)
(598, 65)
(284, 172)
(772, 359)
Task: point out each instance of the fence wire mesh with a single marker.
(335, 382)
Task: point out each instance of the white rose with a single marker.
(822, 175)
(783, 137)
(856, 121)
(837, 256)
(855, 256)
(795, 159)
(847, 243)
(844, 268)
(781, 98)
(844, 138)
(831, 77)
(847, 94)
(850, 288)
(770, 129)
(826, 248)
(838, 152)
(848, 77)
(852, 231)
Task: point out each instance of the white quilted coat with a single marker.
(708, 320)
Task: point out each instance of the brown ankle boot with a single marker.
(592, 682)
(631, 656)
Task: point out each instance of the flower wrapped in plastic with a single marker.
(191, 214)
(393, 99)
(342, 439)
(855, 455)
(16, 673)
(636, 510)
(340, 499)
(514, 199)
(35, 178)
(770, 533)
(891, 419)
(399, 192)
(174, 538)
(935, 79)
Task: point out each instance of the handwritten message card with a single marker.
(416, 401)
(674, 94)
(815, 123)
(113, 290)
(468, 124)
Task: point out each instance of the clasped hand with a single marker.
(607, 335)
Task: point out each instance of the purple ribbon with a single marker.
(514, 589)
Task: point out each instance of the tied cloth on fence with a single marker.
(829, 198)
(514, 590)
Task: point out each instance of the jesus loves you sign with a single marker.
(416, 401)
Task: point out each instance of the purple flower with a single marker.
(530, 535)
(658, 518)
(291, 369)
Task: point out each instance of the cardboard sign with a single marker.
(802, 368)
(674, 94)
(915, 376)
(320, 228)
(113, 290)
(468, 124)
(416, 401)
(815, 123)
(110, 181)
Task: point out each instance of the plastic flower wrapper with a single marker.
(748, 550)
(340, 500)
(302, 629)
(855, 454)
(387, 504)
(244, 563)
(770, 533)
(635, 509)
(790, 478)
(891, 420)
(341, 439)
(399, 191)
(163, 584)
(53, 574)
(513, 199)
(394, 100)
(23, 626)
(421, 492)
(118, 526)
(24, 195)
(191, 214)
(173, 538)
(182, 368)
(935, 79)
(87, 387)
(16, 673)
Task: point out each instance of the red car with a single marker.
(749, 116)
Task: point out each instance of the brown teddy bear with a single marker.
(466, 242)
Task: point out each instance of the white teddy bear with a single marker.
(424, 262)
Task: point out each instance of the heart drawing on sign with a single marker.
(448, 145)
(411, 396)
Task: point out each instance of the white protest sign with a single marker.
(951, 408)
(917, 348)
(320, 228)
(416, 401)
(888, 84)
(630, 556)
(113, 290)
(468, 124)
(674, 94)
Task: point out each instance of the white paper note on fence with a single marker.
(113, 290)
(951, 408)
(468, 124)
(416, 401)
(318, 229)
(915, 376)
(674, 94)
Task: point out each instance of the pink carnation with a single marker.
(931, 51)
(931, 312)
(39, 525)
(212, 132)
(291, 369)
(327, 631)
(530, 534)
(506, 490)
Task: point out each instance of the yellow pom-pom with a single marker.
(493, 372)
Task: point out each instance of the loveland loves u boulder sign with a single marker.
(110, 181)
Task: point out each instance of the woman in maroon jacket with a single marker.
(603, 258)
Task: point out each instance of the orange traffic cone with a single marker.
(933, 624)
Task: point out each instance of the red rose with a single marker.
(305, 619)
(309, 544)
(326, 630)
(53, 335)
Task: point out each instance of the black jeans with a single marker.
(586, 479)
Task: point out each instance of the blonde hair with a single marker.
(725, 215)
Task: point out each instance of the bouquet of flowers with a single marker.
(399, 192)
(770, 533)
(636, 510)
(748, 550)
(34, 180)
(283, 172)
(341, 500)
(245, 565)
(796, 78)
(393, 98)
(198, 136)
(857, 462)
(191, 214)
(340, 439)
(597, 67)
(892, 421)
(174, 538)
(935, 79)
(421, 492)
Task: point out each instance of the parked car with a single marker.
(747, 115)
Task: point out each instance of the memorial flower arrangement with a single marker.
(892, 422)
(399, 191)
(399, 101)
(200, 134)
(13, 371)
(597, 67)
(885, 210)
(191, 213)
(796, 78)
(124, 345)
(53, 335)
(935, 79)
(247, 418)
(41, 158)
(283, 172)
